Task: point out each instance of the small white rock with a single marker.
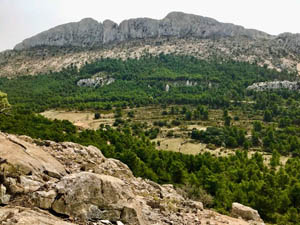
(105, 221)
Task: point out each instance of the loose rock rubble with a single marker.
(43, 182)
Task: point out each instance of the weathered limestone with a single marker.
(22, 158)
(290, 41)
(4, 198)
(245, 212)
(93, 196)
(23, 216)
(80, 186)
(90, 33)
(273, 85)
(95, 81)
(44, 199)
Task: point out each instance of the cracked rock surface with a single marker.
(66, 183)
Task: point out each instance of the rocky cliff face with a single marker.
(289, 41)
(44, 182)
(273, 85)
(95, 81)
(90, 33)
(177, 33)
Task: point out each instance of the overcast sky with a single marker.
(20, 19)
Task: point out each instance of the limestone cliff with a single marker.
(44, 182)
(90, 33)
(273, 85)
(178, 33)
(290, 41)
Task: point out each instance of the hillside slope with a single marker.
(66, 183)
(178, 33)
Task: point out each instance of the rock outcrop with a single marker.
(273, 85)
(90, 33)
(19, 215)
(43, 182)
(95, 81)
(289, 41)
(245, 212)
(178, 33)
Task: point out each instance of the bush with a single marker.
(175, 122)
(97, 116)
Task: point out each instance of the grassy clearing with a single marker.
(180, 140)
(83, 120)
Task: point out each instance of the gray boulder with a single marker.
(245, 212)
(92, 196)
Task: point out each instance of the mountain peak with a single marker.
(88, 20)
(88, 32)
(176, 14)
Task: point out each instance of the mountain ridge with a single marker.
(178, 33)
(89, 33)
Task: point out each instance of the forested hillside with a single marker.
(142, 82)
(273, 189)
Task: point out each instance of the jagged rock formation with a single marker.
(95, 81)
(90, 33)
(177, 33)
(290, 41)
(43, 182)
(273, 85)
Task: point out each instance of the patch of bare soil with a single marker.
(84, 120)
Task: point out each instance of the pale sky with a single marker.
(20, 19)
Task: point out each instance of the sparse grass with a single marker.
(83, 120)
(180, 140)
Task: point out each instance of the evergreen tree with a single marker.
(267, 116)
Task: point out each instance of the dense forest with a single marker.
(142, 82)
(216, 181)
(273, 189)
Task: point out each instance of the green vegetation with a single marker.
(236, 178)
(4, 105)
(140, 82)
(274, 117)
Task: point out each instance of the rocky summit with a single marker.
(43, 182)
(89, 33)
(85, 41)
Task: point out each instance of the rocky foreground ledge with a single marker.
(43, 182)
